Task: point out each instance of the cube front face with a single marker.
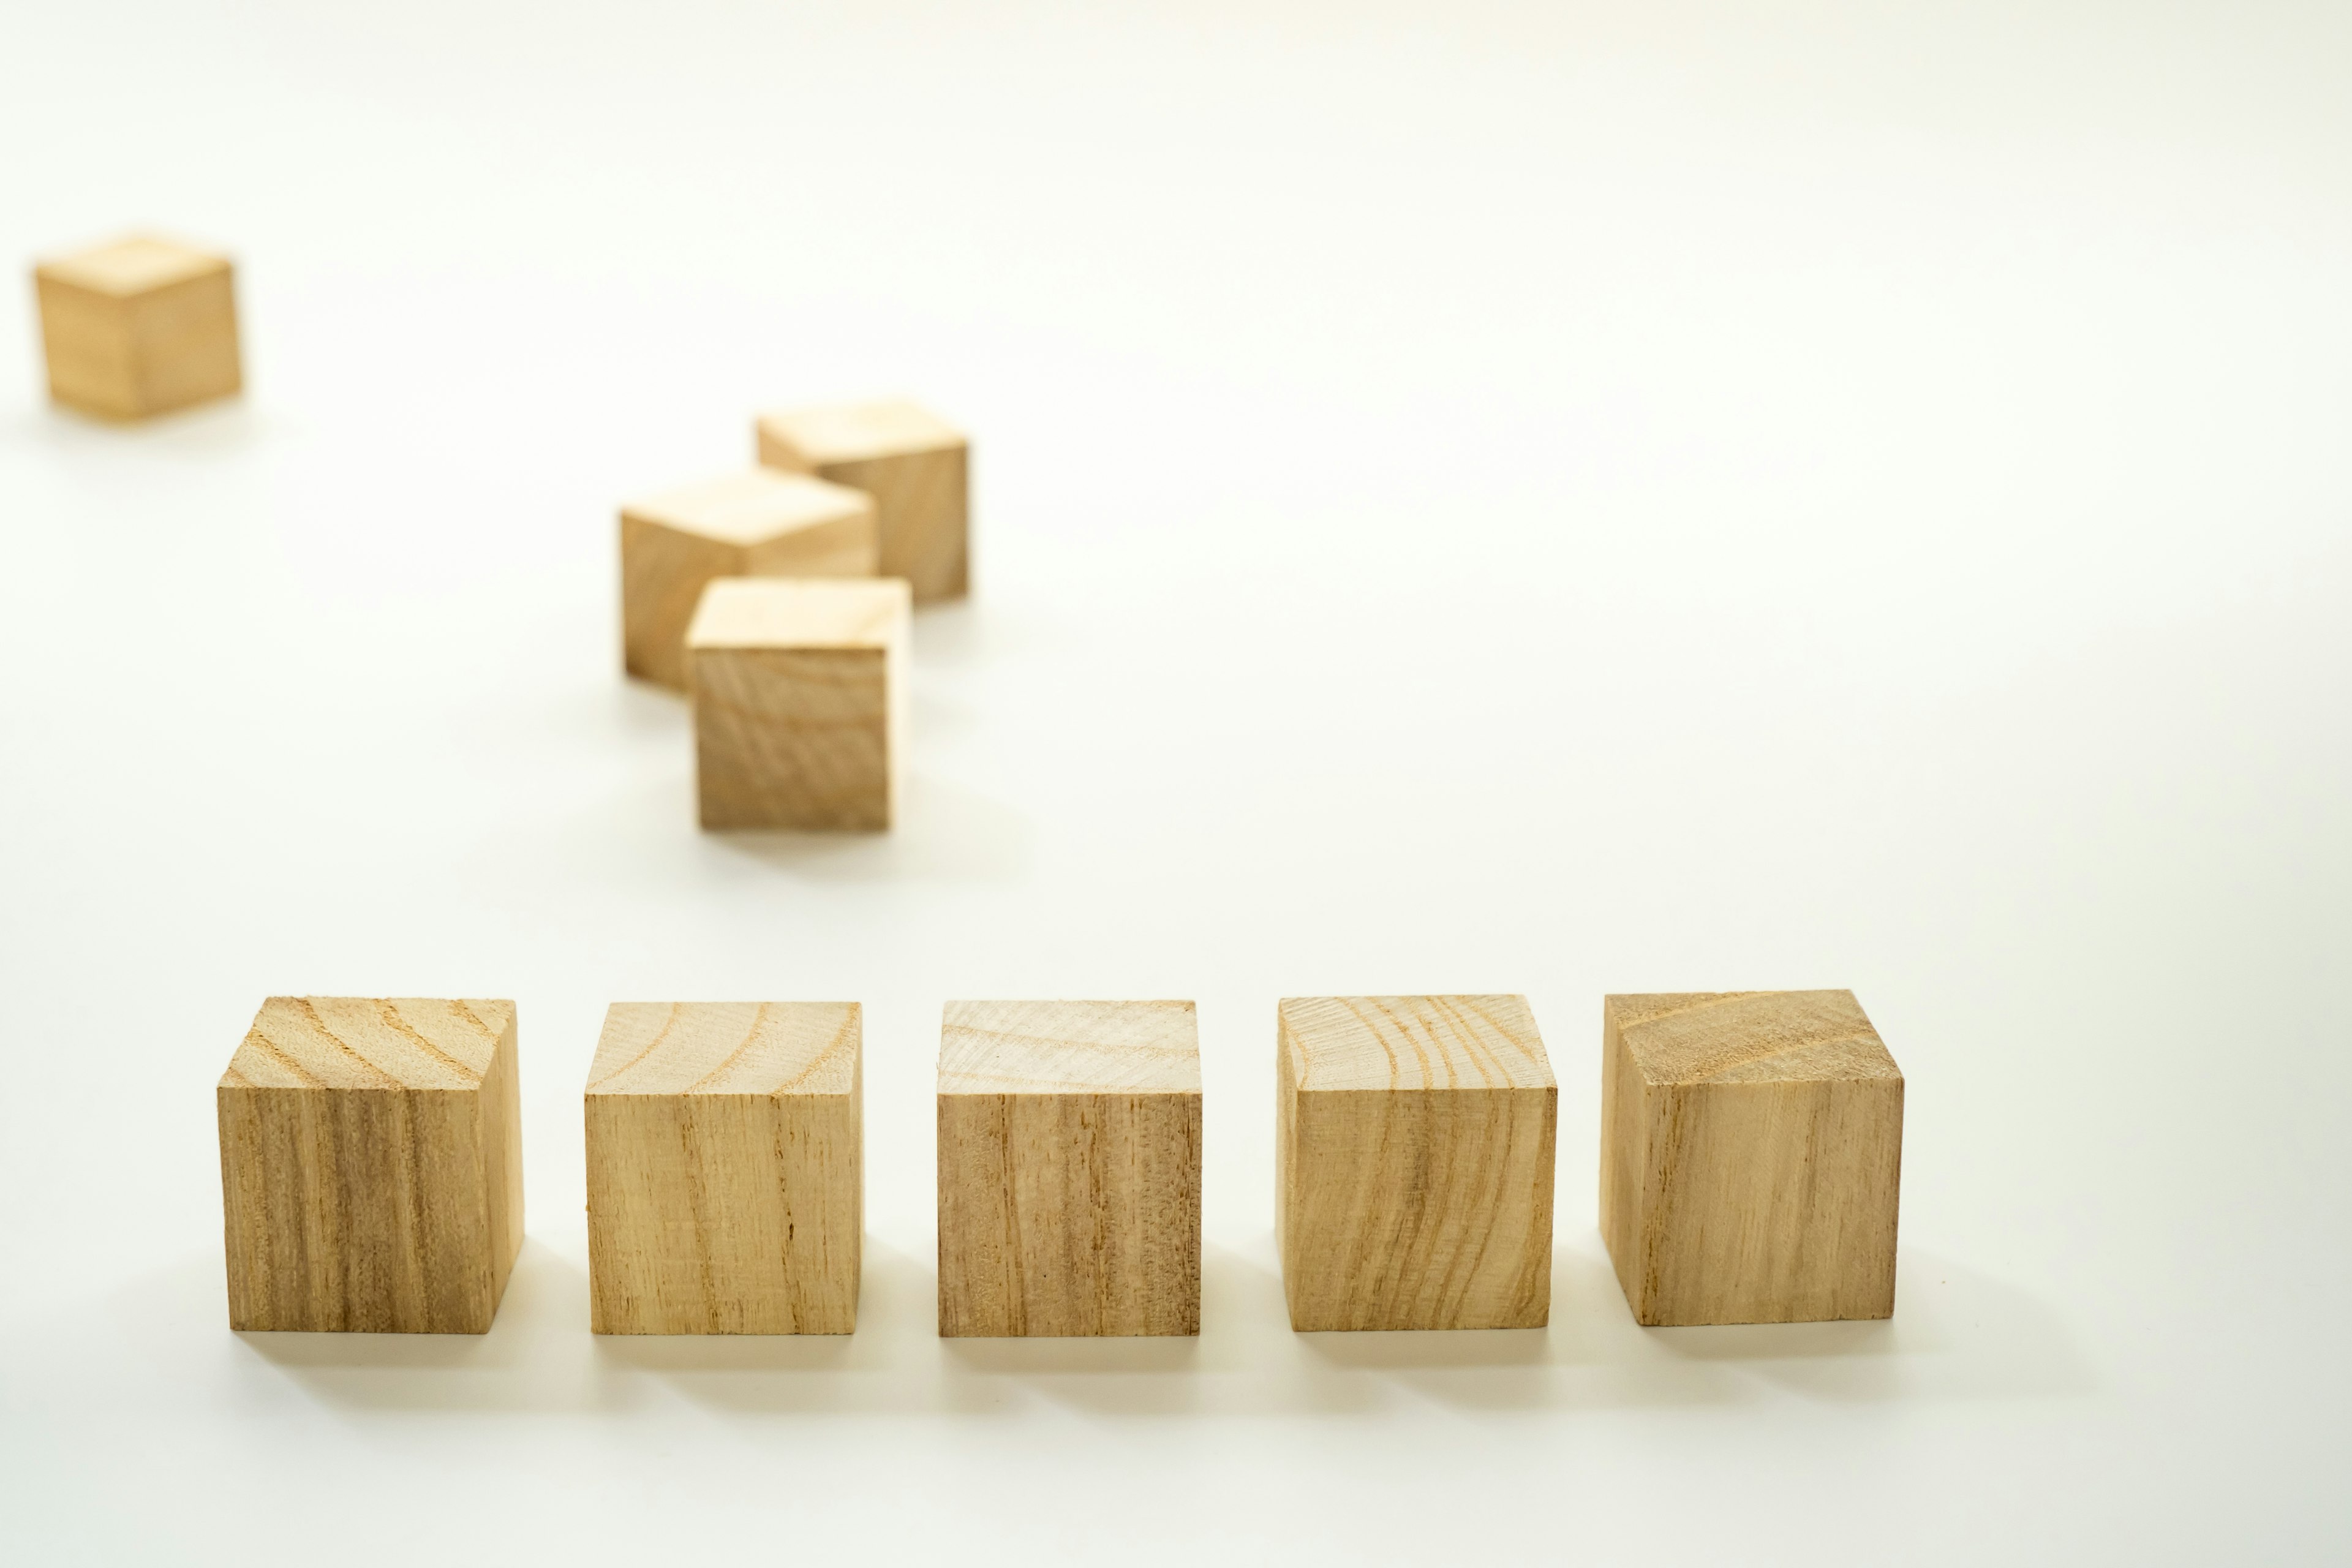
(138, 328)
(1751, 1157)
(915, 465)
(1414, 1152)
(799, 703)
(725, 1169)
(371, 1165)
(1069, 1166)
(756, 524)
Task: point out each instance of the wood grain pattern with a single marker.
(1070, 1151)
(1751, 1149)
(138, 327)
(758, 523)
(371, 1165)
(725, 1191)
(1414, 1153)
(800, 693)
(916, 466)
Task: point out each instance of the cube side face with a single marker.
(922, 502)
(724, 1213)
(88, 340)
(1417, 1209)
(795, 738)
(1767, 1203)
(1624, 1127)
(663, 573)
(358, 1210)
(184, 343)
(501, 1151)
(1069, 1214)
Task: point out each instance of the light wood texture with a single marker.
(1751, 1150)
(1069, 1148)
(138, 326)
(726, 1191)
(1413, 1151)
(800, 693)
(371, 1165)
(916, 466)
(758, 523)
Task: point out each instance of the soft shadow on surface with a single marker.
(1957, 1335)
(943, 831)
(226, 424)
(533, 1358)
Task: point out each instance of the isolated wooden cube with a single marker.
(1069, 1149)
(800, 692)
(915, 464)
(1751, 1147)
(371, 1165)
(1413, 1163)
(758, 523)
(726, 1191)
(138, 327)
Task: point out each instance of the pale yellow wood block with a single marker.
(757, 523)
(915, 464)
(726, 1189)
(138, 326)
(1413, 1163)
(1070, 1151)
(800, 694)
(371, 1165)
(1751, 1153)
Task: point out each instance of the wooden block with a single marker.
(1069, 1168)
(759, 523)
(800, 691)
(915, 464)
(371, 1165)
(726, 1194)
(1413, 1163)
(1751, 1147)
(138, 327)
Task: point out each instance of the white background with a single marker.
(1557, 500)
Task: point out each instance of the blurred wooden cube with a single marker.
(758, 523)
(371, 1165)
(1413, 1163)
(1751, 1150)
(916, 466)
(1069, 1149)
(138, 327)
(725, 1188)
(799, 701)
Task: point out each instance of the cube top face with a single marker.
(752, 508)
(744, 614)
(131, 266)
(1749, 1037)
(1413, 1043)
(858, 432)
(348, 1042)
(1069, 1048)
(728, 1048)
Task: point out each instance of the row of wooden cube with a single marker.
(1750, 1161)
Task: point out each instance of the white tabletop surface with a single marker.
(1469, 498)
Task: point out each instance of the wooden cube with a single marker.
(725, 1192)
(759, 523)
(1413, 1163)
(1069, 1151)
(914, 464)
(138, 327)
(1751, 1147)
(371, 1165)
(800, 691)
